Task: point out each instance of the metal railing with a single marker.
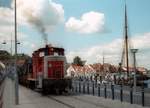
(119, 92)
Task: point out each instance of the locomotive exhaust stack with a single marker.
(46, 50)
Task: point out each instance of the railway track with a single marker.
(63, 100)
(93, 103)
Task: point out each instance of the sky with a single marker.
(85, 28)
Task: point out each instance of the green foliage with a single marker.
(77, 61)
(22, 56)
(4, 55)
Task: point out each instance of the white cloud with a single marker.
(6, 23)
(47, 12)
(29, 13)
(142, 41)
(95, 53)
(90, 22)
(6, 16)
(113, 51)
(42, 15)
(7, 26)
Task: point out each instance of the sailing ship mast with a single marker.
(125, 53)
(126, 41)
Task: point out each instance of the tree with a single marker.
(4, 55)
(77, 61)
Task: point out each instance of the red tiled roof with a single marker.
(131, 69)
(142, 69)
(77, 68)
(99, 68)
(83, 69)
(104, 68)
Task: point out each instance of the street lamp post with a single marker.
(16, 74)
(134, 51)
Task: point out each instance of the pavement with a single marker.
(9, 93)
(32, 99)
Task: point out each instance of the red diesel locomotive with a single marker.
(49, 70)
